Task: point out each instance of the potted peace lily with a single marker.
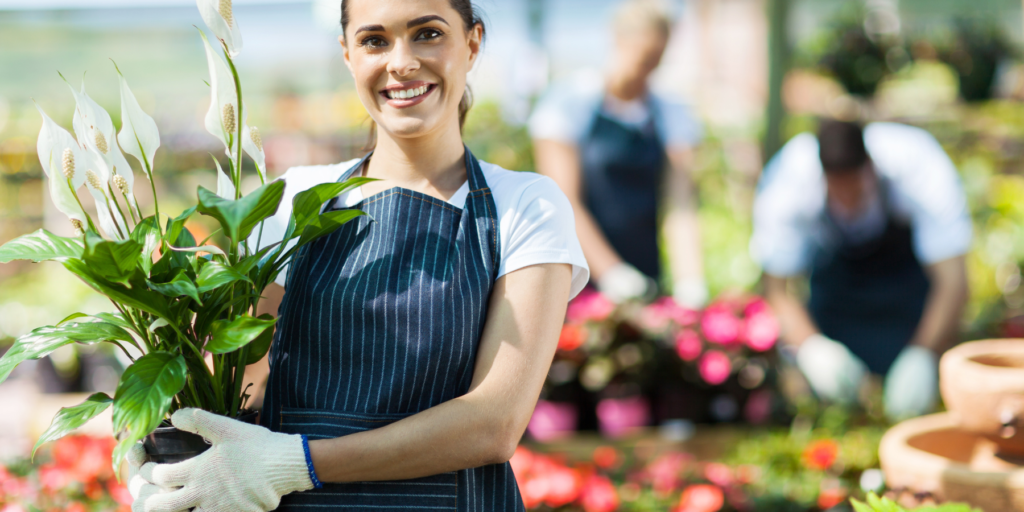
(184, 310)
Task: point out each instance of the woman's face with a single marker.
(409, 61)
(638, 53)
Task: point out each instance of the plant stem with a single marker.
(238, 141)
(152, 184)
(113, 198)
(79, 201)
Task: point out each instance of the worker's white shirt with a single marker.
(535, 219)
(924, 189)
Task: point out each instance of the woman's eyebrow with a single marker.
(370, 28)
(425, 19)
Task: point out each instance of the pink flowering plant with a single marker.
(615, 352)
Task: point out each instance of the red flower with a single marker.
(829, 498)
(75, 506)
(53, 478)
(572, 337)
(599, 495)
(715, 367)
(701, 498)
(821, 455)
(761, 331)
(720, 325)
(563, 487)
(605, 456)
(718, 474)
(119, 492)
(521, 462)
(664, 472)
(688, 345)
(589, 305)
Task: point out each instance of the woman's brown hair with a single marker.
(470, 18)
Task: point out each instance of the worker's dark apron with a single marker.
(870, 296)
(381, 320)
(623, 169)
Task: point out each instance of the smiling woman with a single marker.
(411, 344)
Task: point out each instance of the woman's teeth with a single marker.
(407, 93)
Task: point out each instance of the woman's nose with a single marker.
(402, 60)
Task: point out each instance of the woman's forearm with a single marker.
(682, 225)
(794, 319)
(454, 435)
(483, 426)
(600, 254)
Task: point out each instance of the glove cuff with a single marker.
(289, 471)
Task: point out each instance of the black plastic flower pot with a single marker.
(167, 444)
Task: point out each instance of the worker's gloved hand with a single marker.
(834, 373)
(911, 387)
(624, 282)
(691, 292)
(248, 468)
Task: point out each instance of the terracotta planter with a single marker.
(983, 385)
(932, 454)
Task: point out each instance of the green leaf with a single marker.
(72, 316)
(147, 234)
(144, 396)
(237, 218)
(70, 418)
(114, 260)
(231, 336)
(860, 506)
(327, 224)
(180, 286)
(137, 296)
(261, 345)
(43, 341)
(214, 274)
(176, 225)
(306, 204)
(41, 246)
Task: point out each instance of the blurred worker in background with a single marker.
(621, 153)
(878, 219)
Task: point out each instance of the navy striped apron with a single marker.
(381, 320)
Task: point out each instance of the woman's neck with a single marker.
(433, 164)
(624, 90)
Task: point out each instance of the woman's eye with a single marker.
(427, 34)
(373, 42)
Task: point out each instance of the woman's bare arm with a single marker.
(682, 227)
(483, 426)
(561, 162)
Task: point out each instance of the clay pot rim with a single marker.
(895, 452)
(958, 366)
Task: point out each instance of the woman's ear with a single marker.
(344, 48)
(476, 37)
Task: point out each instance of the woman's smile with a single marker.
(407, 94)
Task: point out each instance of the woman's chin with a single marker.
(407, 127)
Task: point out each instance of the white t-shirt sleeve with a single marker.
(296, 179)
(564, 113)
(677, 123)
(789, 198)
(927, 189)
(536, 223)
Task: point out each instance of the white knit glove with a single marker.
(834, 373)
(248, 468)
(911, 387)
(624, 282)
(691, 292)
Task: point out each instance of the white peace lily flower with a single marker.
(252, 144)
(225, 187)
(139, 135)
(220, 17)
(94, 127)
(53, 143)
(223, 114)
(109, 219)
